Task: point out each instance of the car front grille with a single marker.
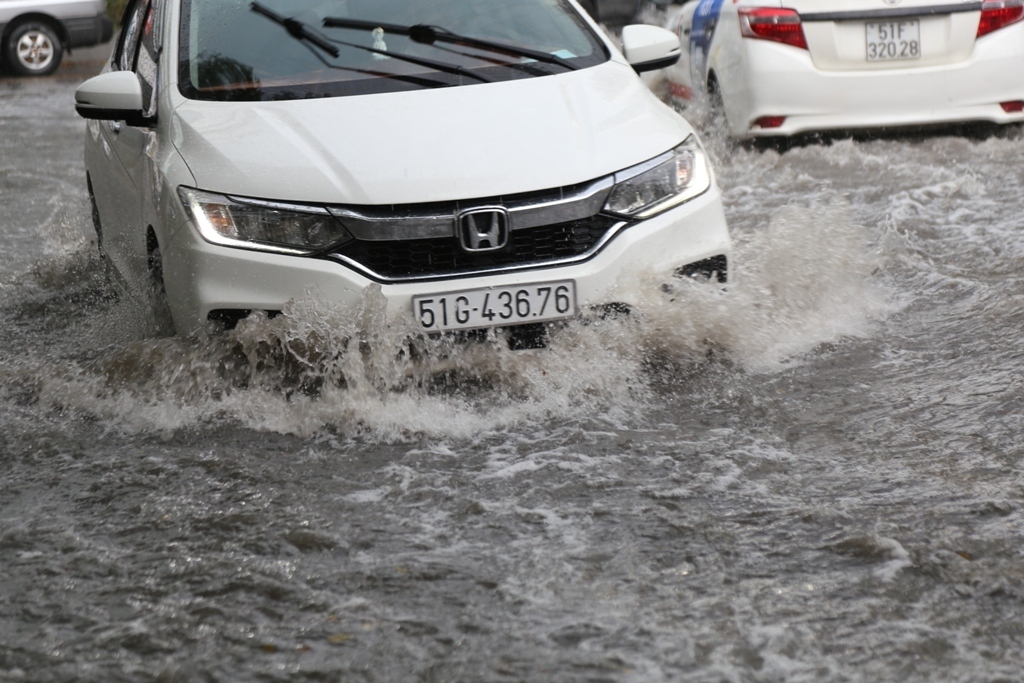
(443, 256)
(421, 241)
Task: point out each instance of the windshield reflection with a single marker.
(280, 49)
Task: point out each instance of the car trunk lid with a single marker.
(853, 35)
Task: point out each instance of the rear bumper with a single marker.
(777, 80)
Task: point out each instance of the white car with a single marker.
(486, 163)
(794, 66)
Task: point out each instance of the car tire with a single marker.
(33, 49)
(110, 274)
(96, 224)
(157, 294)
(718, 119)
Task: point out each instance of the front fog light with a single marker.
(256, 224)
(662, 183)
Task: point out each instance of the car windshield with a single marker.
(241, 50)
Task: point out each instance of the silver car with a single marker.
(618, 12)
(35, 34)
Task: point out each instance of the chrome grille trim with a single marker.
(415, 223)
(586, 202)
(360, 268)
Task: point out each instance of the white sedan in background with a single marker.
(797, 66)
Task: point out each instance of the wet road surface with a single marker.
(814, 477)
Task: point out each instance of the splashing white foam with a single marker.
(802, 280)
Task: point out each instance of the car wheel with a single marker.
(718, 121)
(110, 274)
(163, 320)
(33, 49)
(97, 226)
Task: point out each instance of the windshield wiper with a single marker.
(302, 31)
(428, 35)
(298, 29)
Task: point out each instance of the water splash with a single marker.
(802, 280)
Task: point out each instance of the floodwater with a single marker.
(814, 476)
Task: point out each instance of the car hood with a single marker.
(429, 145)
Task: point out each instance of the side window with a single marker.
(145, 62)
(130, 34)
(137, 50)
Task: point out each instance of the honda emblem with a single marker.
(483, 229)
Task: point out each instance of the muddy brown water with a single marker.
(815, 476)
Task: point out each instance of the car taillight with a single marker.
(996, 14)
(768, 23)
(683, 92)
(770, 122)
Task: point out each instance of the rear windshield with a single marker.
(280, 49)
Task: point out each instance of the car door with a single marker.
(123, 194)
(703, 25)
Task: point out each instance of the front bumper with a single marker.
(202, 278)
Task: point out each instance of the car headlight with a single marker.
(256, 224)
(661, 183)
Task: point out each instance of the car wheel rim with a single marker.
(35, 50)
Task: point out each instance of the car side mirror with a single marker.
(648, 48)
(113, 96)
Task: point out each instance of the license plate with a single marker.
(496, 306)
(890, 40)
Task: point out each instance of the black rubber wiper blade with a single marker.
(302, 31)
(446, 67)
(407, 78)
(298, 29)
(428, 35)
